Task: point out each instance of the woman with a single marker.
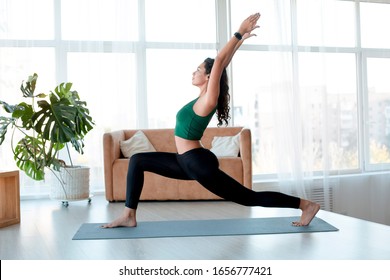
(192, 161)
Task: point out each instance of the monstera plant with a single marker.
(43, 125)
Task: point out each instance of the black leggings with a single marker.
(200, 165)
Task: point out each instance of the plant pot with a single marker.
(71, 183)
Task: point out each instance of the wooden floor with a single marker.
(47, 228)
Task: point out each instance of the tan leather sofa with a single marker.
(157, 187)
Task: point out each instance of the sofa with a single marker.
(157, 187)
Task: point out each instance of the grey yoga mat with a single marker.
(191, 228)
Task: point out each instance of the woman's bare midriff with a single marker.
(184, 145)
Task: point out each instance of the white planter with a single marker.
(74, 186)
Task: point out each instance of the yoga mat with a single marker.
(191, 228)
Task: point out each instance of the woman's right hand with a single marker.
(248, 25)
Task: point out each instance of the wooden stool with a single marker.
(9, 198)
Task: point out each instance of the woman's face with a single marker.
(199, 77)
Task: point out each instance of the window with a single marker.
(327, 83)
(177, 40)
(374, 22)
(312, 85)
(254, 101)
(169, 74)
(302, 85)
(326, 23)
(92, 76)
(377, 118)
(376, 66)
(99, 20)
(27, 20)
(180, 21)
(275, 15)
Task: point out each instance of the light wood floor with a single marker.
(47, 228)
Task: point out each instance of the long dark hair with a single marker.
(223, 107)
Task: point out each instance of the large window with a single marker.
(312, 85)
(377, 118)
(376, 66)
(315, 94)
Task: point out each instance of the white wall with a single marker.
(361, 196)
(364, 196)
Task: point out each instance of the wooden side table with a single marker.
(9, 198)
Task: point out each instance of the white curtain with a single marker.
(290, 135)
(315, 97)
(297, 88)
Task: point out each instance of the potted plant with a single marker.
(42, 126)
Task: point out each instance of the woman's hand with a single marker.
(248, 25)
(248, 35)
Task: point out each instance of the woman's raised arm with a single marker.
(226, 54)
(244, 32)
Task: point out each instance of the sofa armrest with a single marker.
(111, 152)
(246, 155)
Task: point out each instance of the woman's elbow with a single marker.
(220, 61)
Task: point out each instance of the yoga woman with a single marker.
(192, 161)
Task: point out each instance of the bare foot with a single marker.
(309, 210)
(126, 220)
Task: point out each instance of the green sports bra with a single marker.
(189, 125)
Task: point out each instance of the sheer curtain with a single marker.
(324, 132)
(291, 131)
(297, 82)
(315, 107)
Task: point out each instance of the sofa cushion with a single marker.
(137, 144)
(226, 146)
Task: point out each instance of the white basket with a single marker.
(75, 183)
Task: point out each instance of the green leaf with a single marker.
(4, 123)
(28, 88)
(29, 155)
(41, 95)
(32, 156)
(65, 118)
(24, 111)
(8, 108)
